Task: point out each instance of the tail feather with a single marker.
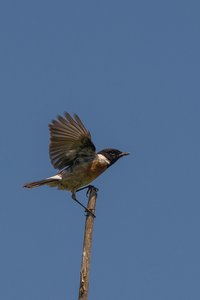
(34, 184)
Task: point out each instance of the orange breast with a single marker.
(95, 169)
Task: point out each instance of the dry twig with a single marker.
(87, 244)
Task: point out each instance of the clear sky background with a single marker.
(130, 70)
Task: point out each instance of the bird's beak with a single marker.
(124, 154)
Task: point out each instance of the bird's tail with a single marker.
(52, 181)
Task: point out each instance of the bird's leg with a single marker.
(86, 209)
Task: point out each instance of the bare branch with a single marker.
(87, 244)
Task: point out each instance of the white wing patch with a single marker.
(57, 176)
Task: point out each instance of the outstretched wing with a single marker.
(69, 139)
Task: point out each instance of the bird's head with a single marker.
(112, 155)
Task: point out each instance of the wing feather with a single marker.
(69, 139)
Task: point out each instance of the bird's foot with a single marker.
(89, 188)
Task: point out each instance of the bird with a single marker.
(73, 153)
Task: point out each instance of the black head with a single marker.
(112, 154)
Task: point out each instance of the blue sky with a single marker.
(130, 70)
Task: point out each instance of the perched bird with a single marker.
(72, 151)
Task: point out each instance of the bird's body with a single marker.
(72, 151)
(83, 172)
(80, 174)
